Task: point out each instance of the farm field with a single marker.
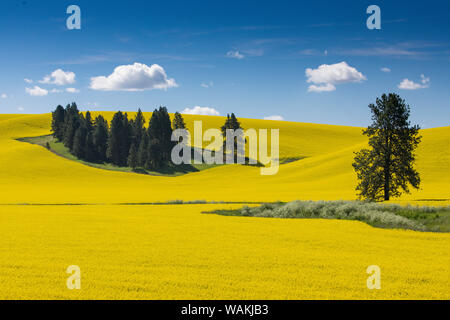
(32, 174)
(176, 252)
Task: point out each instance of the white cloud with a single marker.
(201, 111)
(20, 108)
(72, 90)
(4, 96)
(277, 118)
(387, 70)
(59, 77)
(56, 91)
(135, 77)
(28, 80)
(407, 84)
(321, 88)
(235, 54)
(207, 85)
(328, 75)
(36, 91)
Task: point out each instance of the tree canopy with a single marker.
(386, 168)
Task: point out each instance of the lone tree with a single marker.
(386, 168)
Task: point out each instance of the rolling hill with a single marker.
(31, 174)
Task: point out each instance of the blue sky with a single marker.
(247, 57)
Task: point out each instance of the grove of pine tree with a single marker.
(123, 142)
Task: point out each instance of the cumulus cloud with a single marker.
(235, 54)
(387, 70)
(407, 84)
(28, 80)
(326, 76)
(277, 118)
(58, 77)
(134, 77)
(4, 96)
(36, 91)
(321, 88)
(201, 111)
(72, 90)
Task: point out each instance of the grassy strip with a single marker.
(58, 148)
(435, 219)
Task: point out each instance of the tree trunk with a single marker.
(387, 169)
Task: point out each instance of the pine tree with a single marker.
(166, 143)
(232, 123)
(100, 138)
(126, 139)
(160, 139)
(178, 121)
(133, 157)
(114, 140)
(89, 148)
(138, 127)
(154, 139)
(79, 142)
(387, 167)
(143, 151)
(88, 122)
(119, 139)
(71, 124)
(58, 122)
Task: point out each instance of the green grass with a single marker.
(434, 219)
(58, 148)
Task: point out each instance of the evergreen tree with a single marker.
(386, 168)
(88, 122)
(79, 142)
(154, 159)
(127, 138)
(143, 151)
(166, 143)
(133, 157)
(89, 148)
(232, 123)
(58, 122)
(71, 124)
(160, 139)
(138, 128)
(100, 138)
(178, 121)
(119, 139)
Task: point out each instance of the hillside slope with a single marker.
(31, 174)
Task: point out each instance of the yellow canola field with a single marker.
(175, 252)
(31, 174)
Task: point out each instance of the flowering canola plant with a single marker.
(176, 252)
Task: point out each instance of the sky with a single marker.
(305, 61)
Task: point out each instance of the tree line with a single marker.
(123, 142)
